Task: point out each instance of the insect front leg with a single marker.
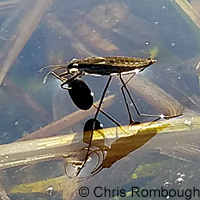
(73, 77)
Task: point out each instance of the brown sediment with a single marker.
(54, 24)
(57, 26)
(94, 38)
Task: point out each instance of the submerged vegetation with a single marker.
(42, 144)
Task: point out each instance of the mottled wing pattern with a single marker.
(117, 61)
(110, 65)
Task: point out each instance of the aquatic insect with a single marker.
(97, 66)
(103, 66)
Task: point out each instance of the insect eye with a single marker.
(75, 65)
(73, 59)
(73, 70)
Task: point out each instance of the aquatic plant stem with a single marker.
(19, 38)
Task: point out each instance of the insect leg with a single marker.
(64, 73)
(76, 75)
(134, 104)
(129, 78)
(108, 116)
(94, 120)
(58, 77)
(51, 72)
(125, 100)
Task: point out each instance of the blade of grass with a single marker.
(190, 11)
(27, 25)
(71, 145)
(65, 122)
(189, 14)
(3, 195)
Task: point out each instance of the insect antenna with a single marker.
(46, 76)
(55, 67)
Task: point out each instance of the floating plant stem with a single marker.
(51, 148)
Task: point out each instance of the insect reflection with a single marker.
(81, 94)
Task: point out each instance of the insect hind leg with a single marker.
(133, 102)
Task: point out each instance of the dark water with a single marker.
(79, 29)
